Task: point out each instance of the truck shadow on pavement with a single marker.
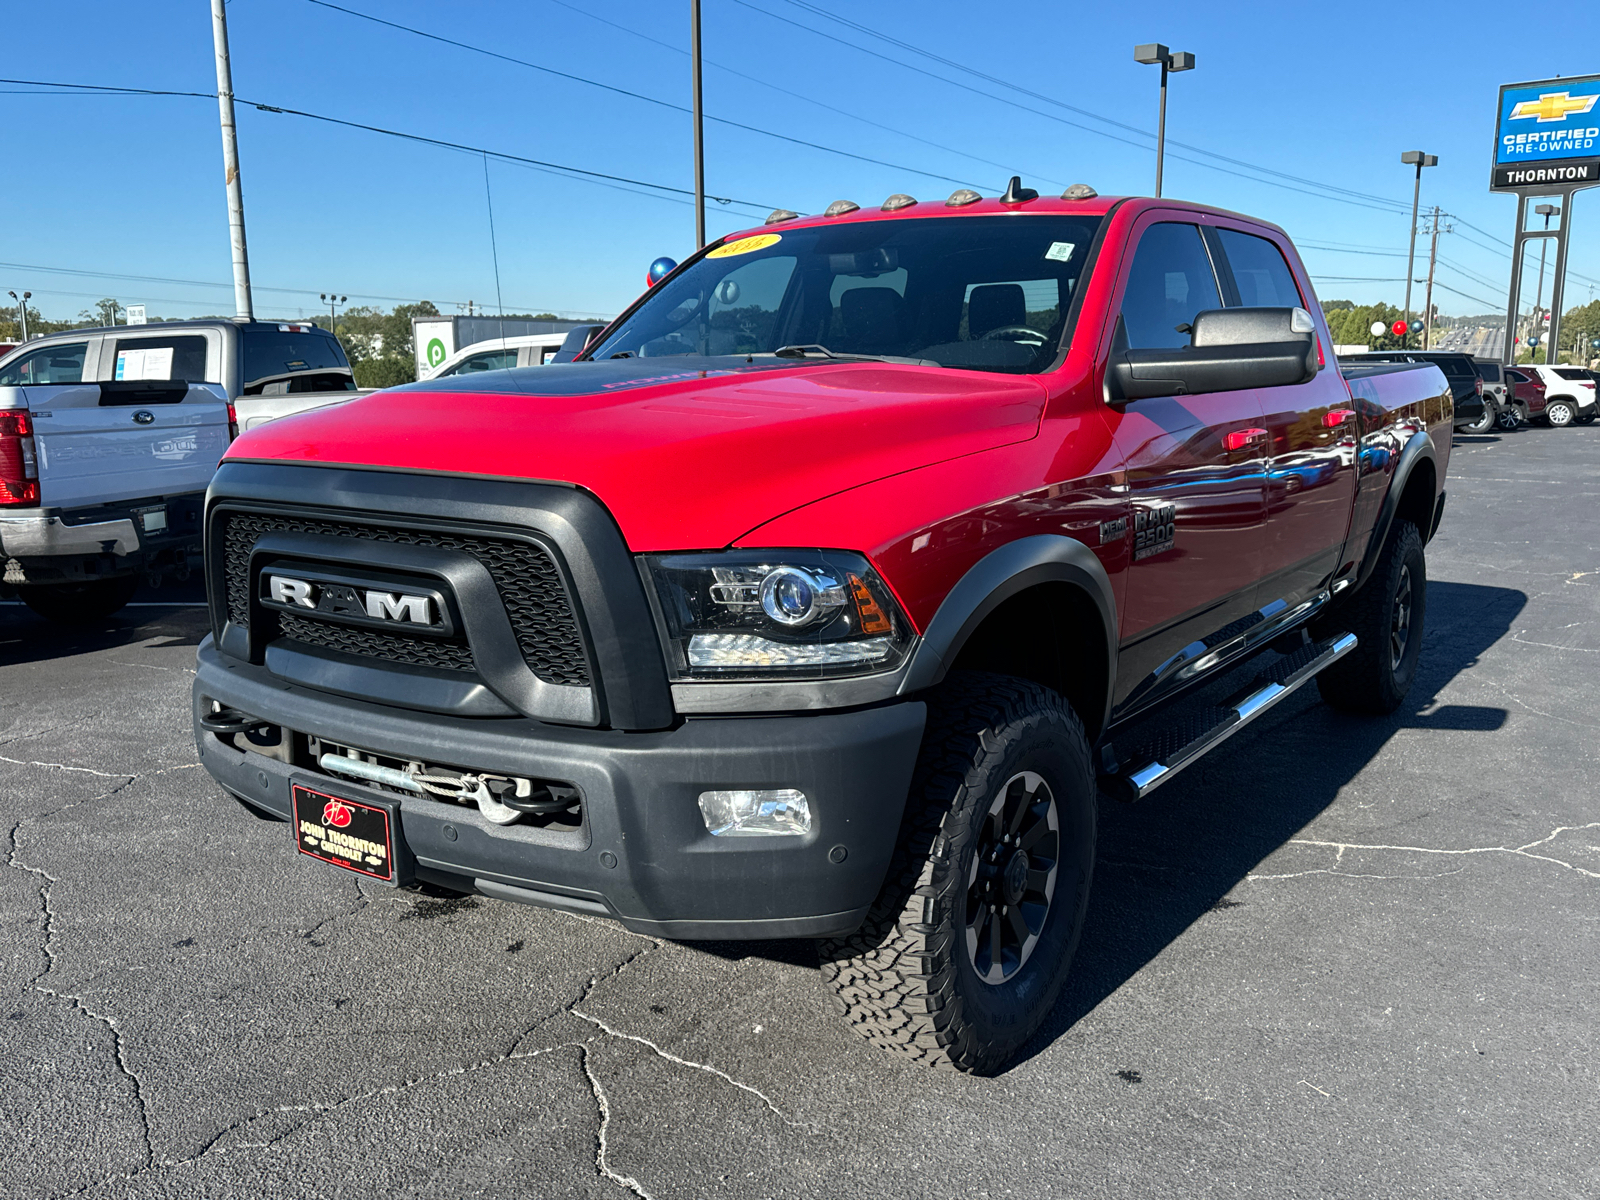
(26, 637)
(1171, 860)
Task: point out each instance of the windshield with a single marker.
(983, 293)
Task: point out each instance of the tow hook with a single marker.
(453, 787)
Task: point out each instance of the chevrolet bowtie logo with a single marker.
(1553, 106)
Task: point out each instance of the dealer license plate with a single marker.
(352, 834)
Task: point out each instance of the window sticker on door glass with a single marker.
(155, 363)
(1060, 251)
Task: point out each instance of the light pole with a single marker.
(1420, 160)
(22, 311)
(333, 316)
(1151, 54)
(1546, 211)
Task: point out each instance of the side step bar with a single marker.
(1192, 738)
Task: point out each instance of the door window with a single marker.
(52, 364)
(487, 360)
(1263, 278)
(1171, 280)
(177, 358)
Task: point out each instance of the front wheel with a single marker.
(1387, 617)
(966, 949)
(1560, 413)
(79, 603)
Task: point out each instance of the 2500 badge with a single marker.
(1154, 530)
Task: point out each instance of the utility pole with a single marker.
(334, 301)
(1150, 55)
(1420, 160)
(699, 127)
(1433, 256)
(245, 310)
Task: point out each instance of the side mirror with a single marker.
(579, 338)
(1229, 350)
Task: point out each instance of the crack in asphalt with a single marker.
(600, 1148)
(74, 999)
(1521, 851)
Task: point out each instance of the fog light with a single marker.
(756, 813)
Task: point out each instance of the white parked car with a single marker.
(499, 354)
(1569, 394)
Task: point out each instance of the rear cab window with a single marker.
(1454, 367)
(292, 359)
(178, 357)
(62, 363)
(488, 360)
(1260, 273)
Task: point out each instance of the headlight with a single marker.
(776, 614)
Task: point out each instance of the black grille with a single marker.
(526, 577)
(372, 643)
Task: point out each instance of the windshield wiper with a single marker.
(823, 352)
(804, 352)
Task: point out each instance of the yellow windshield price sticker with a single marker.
(747, 245)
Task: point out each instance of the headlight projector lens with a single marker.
(792, 596)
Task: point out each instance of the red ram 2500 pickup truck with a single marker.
(823, 597)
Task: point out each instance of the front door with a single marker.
(1194, 474)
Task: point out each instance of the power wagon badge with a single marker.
(1154, 530)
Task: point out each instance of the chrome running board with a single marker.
(1196, 735)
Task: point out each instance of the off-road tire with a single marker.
(906, 980)
(1484, 423)
(79, 603)
(1372, 678)
(1560, 413)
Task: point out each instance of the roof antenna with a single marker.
(1016, 193)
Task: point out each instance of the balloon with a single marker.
(1400, 328)
(1379, 329)
(659, 270)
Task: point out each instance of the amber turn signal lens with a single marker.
(873, 618)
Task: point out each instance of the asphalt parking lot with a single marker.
(1341, 957)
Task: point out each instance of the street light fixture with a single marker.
(333, 318)
(1151, 54)
(1418, 159)
(1546, 211)
(22, 311)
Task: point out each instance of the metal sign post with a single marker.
(1546, 143)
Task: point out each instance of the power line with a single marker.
(1346, 195)
(415, 137)
(532, 66)
(759, 82)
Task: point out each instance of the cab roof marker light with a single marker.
(898, 201)
(962, 197)
(839, 207)
(1079, 191)
(778, 215)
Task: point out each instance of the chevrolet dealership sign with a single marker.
(1548, 134)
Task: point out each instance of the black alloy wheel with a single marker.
(1013, 877)
(1508, 419)
(1400, 619)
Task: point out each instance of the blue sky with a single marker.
(133, 185)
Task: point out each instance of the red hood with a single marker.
(684, 459)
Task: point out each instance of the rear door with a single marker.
(1312, 430)
(1194, 467)
(108, 442)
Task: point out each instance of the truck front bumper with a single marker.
(643, 855)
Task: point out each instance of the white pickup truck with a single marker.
(109, 438)
(103, 485)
